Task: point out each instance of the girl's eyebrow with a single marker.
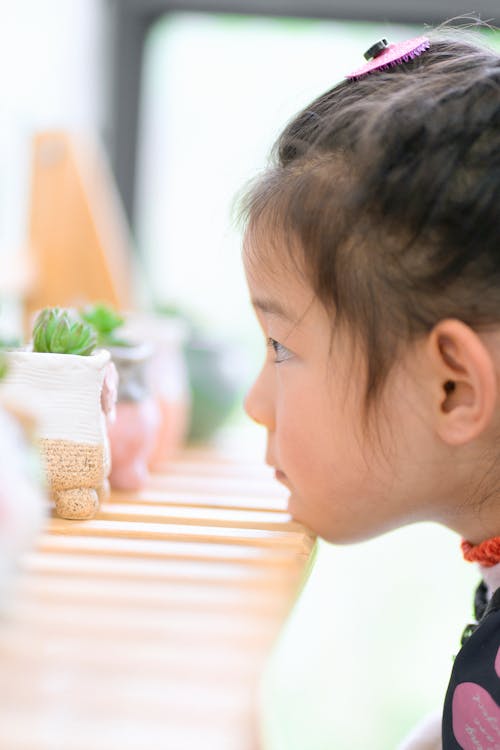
(272, 307)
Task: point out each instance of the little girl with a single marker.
(372, 253)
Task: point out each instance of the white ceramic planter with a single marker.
(68, 394)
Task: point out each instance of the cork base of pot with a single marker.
(76, 473)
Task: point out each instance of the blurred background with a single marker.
(186, 99)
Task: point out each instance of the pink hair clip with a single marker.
(382, 55)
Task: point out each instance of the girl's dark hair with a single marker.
(390, 189)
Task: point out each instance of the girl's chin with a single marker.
(334, 532)
(296, 509)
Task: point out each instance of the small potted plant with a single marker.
(69, 385)
(133, 433)
(166, 332)
(217, 371)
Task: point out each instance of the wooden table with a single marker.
(148, 627)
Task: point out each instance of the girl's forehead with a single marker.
(277, 290)
(269, 259)
(269, 274)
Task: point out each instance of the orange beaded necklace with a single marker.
(486, 554)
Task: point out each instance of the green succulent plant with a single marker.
(105, 320)
(61, 332)
(3, 365)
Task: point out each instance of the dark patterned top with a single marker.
(471, 716)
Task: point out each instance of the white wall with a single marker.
(52, 57)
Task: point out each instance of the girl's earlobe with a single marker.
(467, 384)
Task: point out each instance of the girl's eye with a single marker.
(281, 352)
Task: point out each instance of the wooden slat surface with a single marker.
(149, 625)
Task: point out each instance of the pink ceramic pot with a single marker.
(132, 438)
(133, 432)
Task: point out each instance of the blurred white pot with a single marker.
(23, 500)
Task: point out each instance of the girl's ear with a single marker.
(464, 373)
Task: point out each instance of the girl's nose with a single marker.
(259, 402)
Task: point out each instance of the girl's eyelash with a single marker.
(281, 352)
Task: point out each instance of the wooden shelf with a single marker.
(149, 626)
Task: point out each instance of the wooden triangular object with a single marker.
(80, 242)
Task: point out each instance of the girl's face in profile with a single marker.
(346, 482)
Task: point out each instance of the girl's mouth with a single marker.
(280, 476)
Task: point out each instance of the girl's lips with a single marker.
(280, 476)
